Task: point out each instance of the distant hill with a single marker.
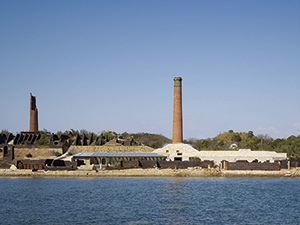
(231, 140)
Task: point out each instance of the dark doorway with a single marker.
(5, 150)
(177, 159)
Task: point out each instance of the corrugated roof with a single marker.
(115, 154)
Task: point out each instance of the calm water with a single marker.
(149, 201)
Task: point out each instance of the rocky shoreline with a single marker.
(190, 172)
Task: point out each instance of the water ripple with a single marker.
(149, 201)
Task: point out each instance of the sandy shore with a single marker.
(191, 172)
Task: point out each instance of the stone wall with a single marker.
(41, 152)
(75, 149)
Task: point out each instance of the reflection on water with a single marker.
(149, 201)
(174, 200)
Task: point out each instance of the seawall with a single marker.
(190, 172)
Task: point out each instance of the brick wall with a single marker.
(295, 163)
(148, 164)
(184, 164)
(130, 164)
(244, 165)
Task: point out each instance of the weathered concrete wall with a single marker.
(75, 149)
(242, 154)
(36, 152)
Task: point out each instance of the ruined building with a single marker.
(33, 127)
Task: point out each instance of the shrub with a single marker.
(27, 142)
(20, 165)
(57, 154)
(28, 155)
(43, 141)
(195, 159)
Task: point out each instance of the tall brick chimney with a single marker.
(33, 126)
(177, 112)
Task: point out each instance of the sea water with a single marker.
(149, 201)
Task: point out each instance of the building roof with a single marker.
(115, 154)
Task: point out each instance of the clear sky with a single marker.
(109, 65)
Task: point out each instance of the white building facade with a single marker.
(183, 152)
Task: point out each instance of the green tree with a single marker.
(45, 141)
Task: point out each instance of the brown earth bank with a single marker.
(190, 172)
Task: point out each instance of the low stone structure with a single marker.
(110, 148)
(37, 164)
(48, 164)
(41, 152)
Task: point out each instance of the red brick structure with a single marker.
(33, 127)
(177, 112)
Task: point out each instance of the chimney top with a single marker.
(177, 78)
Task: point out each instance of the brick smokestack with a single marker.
(33, 126)
(177, 112)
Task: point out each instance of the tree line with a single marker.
(224, 141)
(248, 140)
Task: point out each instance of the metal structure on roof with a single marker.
(115, 154)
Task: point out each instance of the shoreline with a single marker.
(190, 172)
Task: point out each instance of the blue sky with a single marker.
(109, 65)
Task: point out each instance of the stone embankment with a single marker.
(190, 172)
